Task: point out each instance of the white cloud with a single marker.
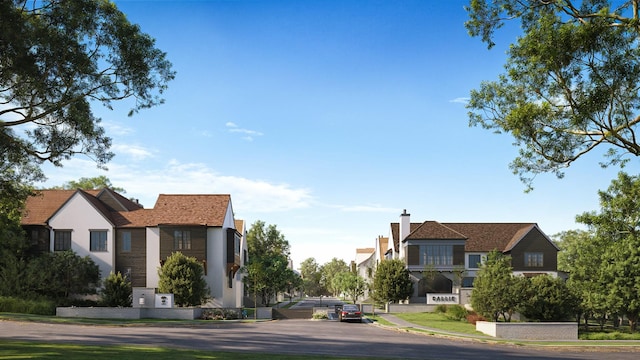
(136, 152)
(460, 100)
(113, 128)
(249, 134)
(187, 178)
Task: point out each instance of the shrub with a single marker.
(456, 312)
(473, 317)
(183, 277)
(117, 291)
(320, 315)
(441, 309)
(36, 307)
(219, 314)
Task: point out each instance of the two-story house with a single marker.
(121, 236)
(443, 257)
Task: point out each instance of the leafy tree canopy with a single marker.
(570, 82)
(268, 269)
(98, 182)
(56, 58)
(351, 284)
(496, 292)
(617, 243)
(392, 282)
(329, 271)
(311, 277)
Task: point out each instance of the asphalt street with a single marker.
(293, 337)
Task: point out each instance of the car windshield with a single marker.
(350, 308)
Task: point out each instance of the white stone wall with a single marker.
(530, 331)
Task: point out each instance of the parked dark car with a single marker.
(350, 312)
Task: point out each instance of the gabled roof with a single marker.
(433, 230)
(206, 210)
(40, 207)
(480, 237)
(484, 237)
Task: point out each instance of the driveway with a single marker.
(292, 337)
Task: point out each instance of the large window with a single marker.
(98, 241)
(437, 255)
(533, 259)
(126, 241)
(61, 240)
(181, 240)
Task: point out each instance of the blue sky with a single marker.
(327, 119)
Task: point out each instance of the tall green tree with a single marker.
(267, 270)
(58, 58)
(329, 271)
(183, 276)
(392, 281)
(311, 277)
(617, 225)
(581, 257)
(496, 292)
(351, 284)
(570, 81)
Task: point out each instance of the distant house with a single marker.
(455, 251)
(121, 236)
(364, 265)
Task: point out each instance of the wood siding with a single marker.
(534, 242)
(198, 242)
(133, 262)
(458, 255)
(413, 255)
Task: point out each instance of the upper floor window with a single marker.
(182, 240)
(475, 261)
(236, 245)
(438, 255)
(62, 240)
(126, 241)
(98, 240)
(533, 259)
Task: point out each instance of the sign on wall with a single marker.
(444, 299)
(164, 300)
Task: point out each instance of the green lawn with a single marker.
(31, 350)
(440, 322)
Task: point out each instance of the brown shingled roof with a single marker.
(39, 208)
(490, 236)
(479, 237)
(209, 210)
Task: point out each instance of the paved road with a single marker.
(291, 337)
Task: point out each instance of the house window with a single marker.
(98, 240)
(467, 282)
(475, 261)
(438, 255)
(35, 235)
(61, 240)
(236, 244)
(533, 260)
(181, 240)
(126, 241)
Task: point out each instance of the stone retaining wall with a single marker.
(129, 313)
(530, 331)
